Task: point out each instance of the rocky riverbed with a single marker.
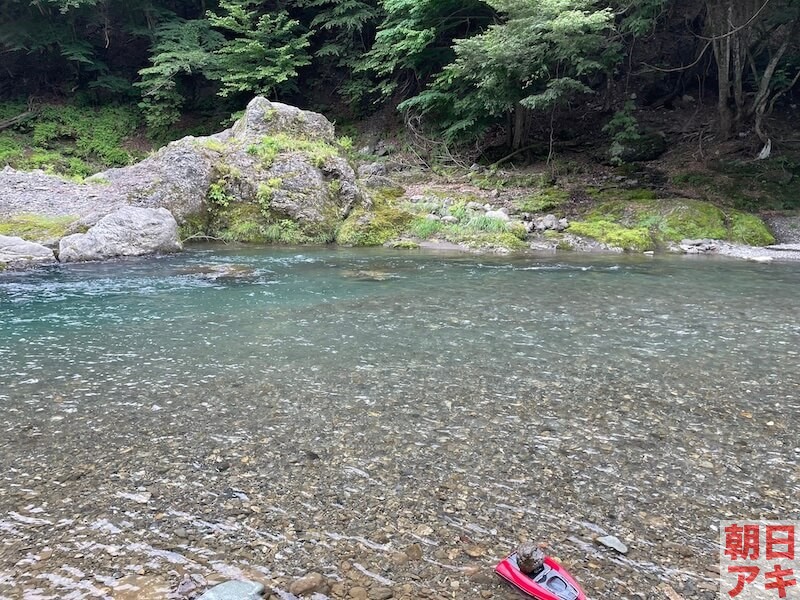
(392, 436)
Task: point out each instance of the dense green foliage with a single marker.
(73, 140)
(510, 73)
(538, 56)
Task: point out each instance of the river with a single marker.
(394, 421)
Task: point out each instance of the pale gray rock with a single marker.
(263, 117)
(546, 223)
(16, 252)
(371, 169)
(129, 231)
(235, 590)
(613, 542)
(177, 178)
(450, 219)
(501, 214)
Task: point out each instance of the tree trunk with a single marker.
(729, 26)
(522, 127)
(722, 52)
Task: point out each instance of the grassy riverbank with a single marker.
(634, 207)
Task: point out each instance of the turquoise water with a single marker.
(638, 396)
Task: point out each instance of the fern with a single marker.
(262, 52)
(538, 57)
(181, 47)
(343, 31)
(414, 41)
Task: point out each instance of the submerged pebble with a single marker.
(235, 590)
(393, 439)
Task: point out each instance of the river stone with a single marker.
(501, 214)
(380, 593)
(785, 247)
(16, 252)
(613, 542)
(130, 231)
(308, 584)
(358, 593)
(235, 590)
(545, 223)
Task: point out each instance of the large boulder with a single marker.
(277, 165)
(263, 117)
(129, 231)
(177, 178)
(16, 252)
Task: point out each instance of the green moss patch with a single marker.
(373, 228)
(249, 224)
(623, 195)
(545, 200)
(749, 229)
(635, 239)
(36, 228)
(404, 244)
(271, 146)
(478, 231)
(70, 140)
(479, 239)
(668, 220)
(424, 228)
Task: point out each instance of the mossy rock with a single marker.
(248, 224)
(37, 228)
(676, 219)
(621, 195)
(545, 200)
(749, 229)
(693, 219)
(668, 220)
(635, 239)
(194, 226)
(373, 228)
(403, 244)
(485, 239)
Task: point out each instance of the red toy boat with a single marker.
(551, 583)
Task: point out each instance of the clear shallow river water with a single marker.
(390, 420)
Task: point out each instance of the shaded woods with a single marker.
(493, 73)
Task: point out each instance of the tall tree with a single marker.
(755, 44)
(415, 40)
(537, 58)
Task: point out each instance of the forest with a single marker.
(488, 79)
